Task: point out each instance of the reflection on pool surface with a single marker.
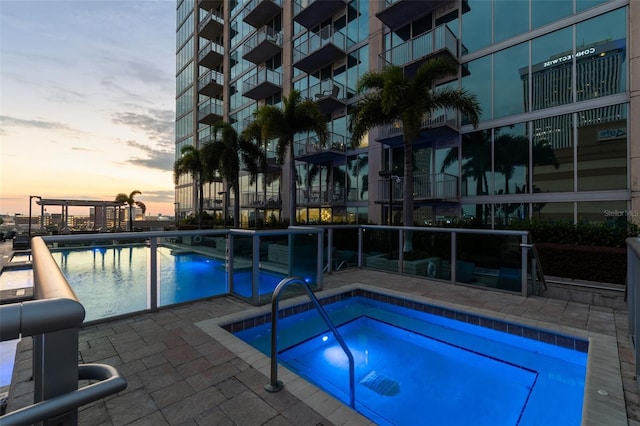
(113, 281)
(416, 367)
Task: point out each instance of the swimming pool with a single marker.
(112, 281)
(446, 366)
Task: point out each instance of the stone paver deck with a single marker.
(179, 372)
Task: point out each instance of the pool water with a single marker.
(113, 281)
(418, 368)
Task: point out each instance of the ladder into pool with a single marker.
(276, 385)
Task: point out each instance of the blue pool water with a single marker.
(113, 281)
(418, 368)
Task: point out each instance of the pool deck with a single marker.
(182, 369)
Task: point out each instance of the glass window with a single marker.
(510, 18)
(480, 214)
(587, 4)
(511, 159)
(476, 28)
(610, 212)
(476, 163)
(547, 11)
(553, 211)
(551, 58)
(601, 55)
(552, 162)
(476, 75)
(602, 148)
(508, 91)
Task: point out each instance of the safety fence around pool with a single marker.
(122, 273)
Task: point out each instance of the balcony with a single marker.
(210, 4)
(211, 55)
(310, 13)
(258, 12)
(440, 124)
(441, 187)
(257, 199)
(311, 151)
(264, 83)
(210, 112)
(413, 53)
(398, 13)
(263, 45)
(328, 94)
(320, 195)
(321, 48)
(211, 25)
(211, 84)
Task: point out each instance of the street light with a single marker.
(31, 197)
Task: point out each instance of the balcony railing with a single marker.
(437, 118)
(310, 13)
(398, 13)
(264, 44)
(329, 94)
(319, 195)
(320, 49)
(421, 47)
(253, 199)
(211, 26)
(211, 55)
(210, 111)
(308, 146)
(258, 12)
(265, 82)
(211, 83)
(436, 186)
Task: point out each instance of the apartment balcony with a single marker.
(311, 151)
(264, 44)
(258, 12)
(211, 55)
(413, 53)
(440, 187)
(257, 200)
(264, 83)
(328, 94)
(211, 26)
(211, 84)
(440, 124)
(310, 13)
(398, 13)
(210, 4)
(320, 196)
(210, 112)
(321, 48)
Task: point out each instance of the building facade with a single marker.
(558, 82)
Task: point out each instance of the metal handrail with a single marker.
(276, 385)
(110, 382)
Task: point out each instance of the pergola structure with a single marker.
(100, 209)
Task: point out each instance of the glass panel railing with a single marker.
(489, 260)
(343, 248)
(381, 248)
(304, 258)
(242, 279)
(431, 255)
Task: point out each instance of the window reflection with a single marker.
(507, 85)
(476, 81)
(511, 159)
(552, 139)
(551, 70)
(510, 18)
(547, 11)
(602, 148)
(476, 19)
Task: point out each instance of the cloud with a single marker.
(8, 121)
(157, 124)
(154, 157)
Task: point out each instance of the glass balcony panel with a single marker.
(258, 12)
(310, 13)
(263, 45)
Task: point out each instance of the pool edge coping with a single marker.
(603, 402)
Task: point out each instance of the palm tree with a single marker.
(391, 96)
(298, 115)
(255, 158)
(129, 199)
(190, 162)
(223, 155)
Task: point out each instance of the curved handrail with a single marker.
(275, 385)
(110, 382)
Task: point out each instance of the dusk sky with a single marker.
(87, 101)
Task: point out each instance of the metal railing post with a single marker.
(154, 294)
(524, 247)
(453, 257)
(255, 270)
(360, 240)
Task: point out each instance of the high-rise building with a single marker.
(558, 82)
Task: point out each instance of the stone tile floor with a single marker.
(179, 375)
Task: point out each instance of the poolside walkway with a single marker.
(178, 374)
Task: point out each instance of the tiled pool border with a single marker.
(545, 336)
(604, 401)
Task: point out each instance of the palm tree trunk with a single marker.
(407, 196)
(292, 185)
